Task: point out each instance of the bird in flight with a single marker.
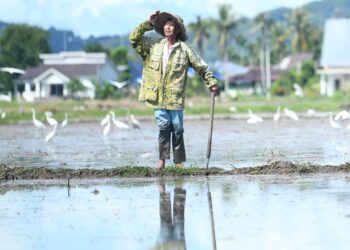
(119, 85)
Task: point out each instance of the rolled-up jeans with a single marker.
(170, 124)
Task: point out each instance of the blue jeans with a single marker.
(170, 124)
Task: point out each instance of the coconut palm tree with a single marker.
(263, 24)
(200, 28)
(279, 46)
(301, 29)
(227, 21)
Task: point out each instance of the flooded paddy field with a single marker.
(235, 144)
(248, 212)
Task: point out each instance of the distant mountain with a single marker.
(280, 14)
(322, 10)
(319, 11)
(66, 40)
(2, 26)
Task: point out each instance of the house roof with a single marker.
(335, 49)
(70, 71)
(253, 75)
(230, 68)
(74, 57)
(292, 61)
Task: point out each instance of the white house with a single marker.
(50, 79)
(335, 58)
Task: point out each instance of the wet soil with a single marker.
(235, 144)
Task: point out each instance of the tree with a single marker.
(95, 47)
(119, 56)
(200, 29)
(75, 86)
(226, 22)
(21, 44)
(301, 29)
(279, 46)
(306, 78)
(263, 24)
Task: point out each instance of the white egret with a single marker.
(333, 123)
(118, 124)
(310, 112)
(51, 134)
(277, 115)
(65, 121)
(107, 128)
(253, 118)
(190, 104)
(119, 85)
(291, 114)
(3, 114)
(344, 114)
(49, 119)
(232, 109)
(12, 70)
(36, 122)
(105, 120)
(298, 91)
(134, 122)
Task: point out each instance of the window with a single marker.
(56, 90)
(20, 88)
(337, 84)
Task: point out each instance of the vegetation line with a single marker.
(276, 168)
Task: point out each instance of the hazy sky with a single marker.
(111, 17)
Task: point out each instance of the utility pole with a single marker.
(268, 70)
(64, 41)
(226, 80)
(262, 70)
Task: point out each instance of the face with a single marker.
(170, 28)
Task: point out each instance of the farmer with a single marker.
(166, 62)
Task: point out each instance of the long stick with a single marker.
(211, 127)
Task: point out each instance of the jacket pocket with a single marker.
(155, 62)
(151, 93)
(177, 95)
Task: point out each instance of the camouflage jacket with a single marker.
(166, 90)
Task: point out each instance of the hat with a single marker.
(163, 17)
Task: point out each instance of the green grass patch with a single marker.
(8, 173)
(306, 168)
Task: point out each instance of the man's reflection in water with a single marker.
(172, 225)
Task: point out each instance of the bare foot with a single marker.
(160, 165)
(179, 165)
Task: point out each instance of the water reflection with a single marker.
(211, 214)
(172, 217)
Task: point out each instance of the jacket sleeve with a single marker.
(139, 42)
(202, 68)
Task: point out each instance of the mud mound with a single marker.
(275, 168)
(30, 173)
(286, 167)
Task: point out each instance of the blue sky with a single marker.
(111, 17)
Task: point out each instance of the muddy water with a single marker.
(235, 144)
(248, 213)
